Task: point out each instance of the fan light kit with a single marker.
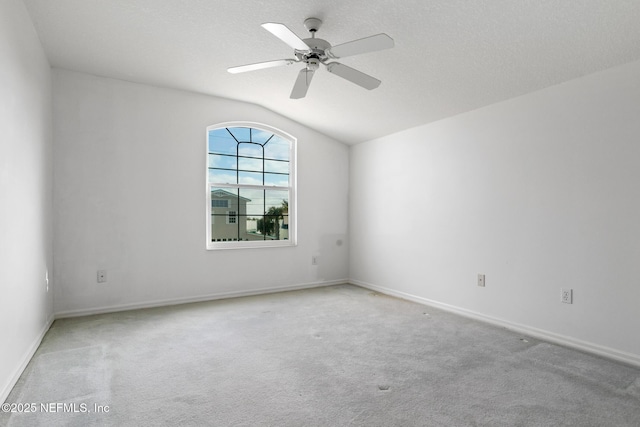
(313, 52)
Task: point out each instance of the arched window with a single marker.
(250, 186)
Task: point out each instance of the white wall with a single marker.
(129, 198)
(25, 192)
(538, 193)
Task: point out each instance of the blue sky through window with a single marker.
(242, 155)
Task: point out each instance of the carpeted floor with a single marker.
(334, 356)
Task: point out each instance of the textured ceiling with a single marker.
(450, 56)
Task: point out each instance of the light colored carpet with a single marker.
(333, 356)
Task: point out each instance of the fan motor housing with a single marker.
(317, 44)
(317, 48)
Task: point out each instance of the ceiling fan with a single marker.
(313, 52)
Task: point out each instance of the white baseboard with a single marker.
(26, 358)
(610, 353)
(187, 300)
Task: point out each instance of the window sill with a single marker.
(214, 246)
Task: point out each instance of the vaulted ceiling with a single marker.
(450, 56)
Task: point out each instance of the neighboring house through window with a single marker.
(250, 186)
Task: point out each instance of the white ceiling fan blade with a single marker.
(302, 83)
(260, 65)
(368, 44)
(286, 35)
(353, 75)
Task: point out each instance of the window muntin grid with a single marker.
(253, 167)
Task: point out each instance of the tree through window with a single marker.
(250, 186)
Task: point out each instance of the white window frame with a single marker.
(292, 188)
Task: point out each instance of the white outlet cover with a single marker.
(102, 276)
(481, 281)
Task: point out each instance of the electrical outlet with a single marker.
(314, 260)
(566, 296)
(481, 280)
(102, 276)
